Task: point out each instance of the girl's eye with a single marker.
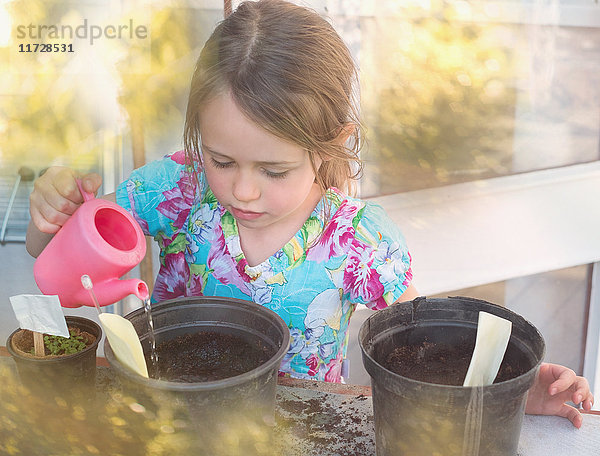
(275, 175)
(218, 164)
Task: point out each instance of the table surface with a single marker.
(317, 418)
(347, 411)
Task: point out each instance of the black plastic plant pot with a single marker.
(422, 417)
(233, 415)
(69, 376)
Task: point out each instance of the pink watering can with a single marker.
(102, 240)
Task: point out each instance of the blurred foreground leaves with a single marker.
(113, 423)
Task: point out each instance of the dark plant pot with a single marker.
(229, 416)
(419, 417)
(68, 376)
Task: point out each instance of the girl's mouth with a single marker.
(245, 215)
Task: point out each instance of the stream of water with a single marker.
(153, 370)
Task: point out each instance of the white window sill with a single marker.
(492, 230)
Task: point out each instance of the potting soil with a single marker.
(208, 356)
(445, 364)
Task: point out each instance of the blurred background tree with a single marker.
(438, 100)
(41, 117)
(59, 108)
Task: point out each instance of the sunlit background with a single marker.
(453, 93)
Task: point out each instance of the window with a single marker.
(483, 123)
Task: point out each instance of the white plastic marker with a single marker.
(42, 315)
(493, 334)
(121, 335)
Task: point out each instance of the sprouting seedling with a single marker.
(58, 345)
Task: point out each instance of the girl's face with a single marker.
(262, 180)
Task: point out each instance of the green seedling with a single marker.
(58, 345)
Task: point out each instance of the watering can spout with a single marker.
(113, 290)
(110, 291)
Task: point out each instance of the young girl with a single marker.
(255, 208)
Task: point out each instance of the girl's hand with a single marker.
(554, 386)
(55, 197)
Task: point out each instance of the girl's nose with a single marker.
(245, 187)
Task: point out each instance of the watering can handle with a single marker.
(87, 196)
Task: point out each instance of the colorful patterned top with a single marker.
(314, 282)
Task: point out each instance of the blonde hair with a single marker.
(290, 72)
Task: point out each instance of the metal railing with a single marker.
(16, 206)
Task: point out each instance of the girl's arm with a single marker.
(409, 294)
(54, 198)
(553, 387)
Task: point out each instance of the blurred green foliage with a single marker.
(55, 110)
(438, 99)
(438, 93)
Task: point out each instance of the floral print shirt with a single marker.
(314, 282)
